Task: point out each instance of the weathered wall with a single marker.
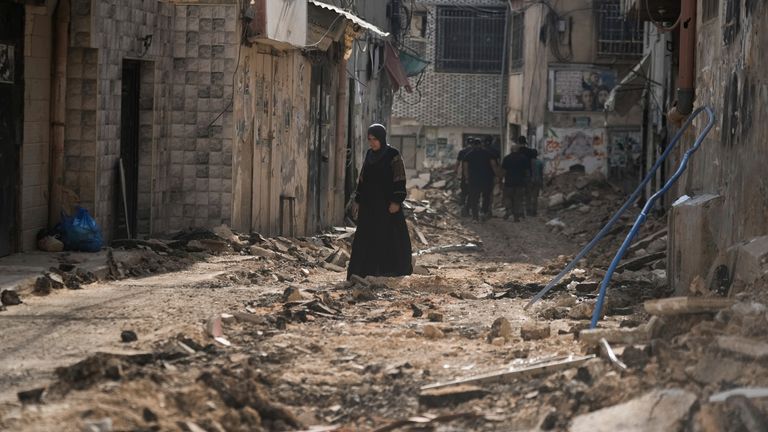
(37, 95)
(185, 148)
(731, 66)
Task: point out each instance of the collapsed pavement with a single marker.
(450, 348)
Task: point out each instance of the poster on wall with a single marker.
(580, 89)
(6, 63)
(568, 149)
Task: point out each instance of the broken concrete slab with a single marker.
(742, 346)
(439, 397)
(261, 252)
(627, 336)
(433, 332)
(659, 410)
(687, 305)
(535, 331)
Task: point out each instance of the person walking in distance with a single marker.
(517, 170)
(382, 246)
(535, 185)
(480, 168)
(463, 180)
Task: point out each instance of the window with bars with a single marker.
(516, 44)
(469, 40)
(617, 34)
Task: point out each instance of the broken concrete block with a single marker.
(534, 331)
(100, 425)
(499, 341)
(293, 294)
(333, 267)
(501, 328)
(687, 305)
(556, 200)
(261, 252)
(128, 336)
(435, 316)
(582, 311)
(450, 395)
(745, 347)
(659, 410)
(10, 298)
(432, 332)
(339, 258)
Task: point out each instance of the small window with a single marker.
(617, 34)
(710, 10)
(516, 44)
(469, 40)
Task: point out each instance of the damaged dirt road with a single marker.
(273, 338)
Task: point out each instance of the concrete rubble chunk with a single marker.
(128, 336)
(742, 346)
(534, 331)
(450, 395)
(435, 316)
(556, 200)
(293, 294)
(10, 298)
(100, 425)
(501, 328)
(261, 252)
(687, 305)
(657, 411)
(433, 332)
(582, 311)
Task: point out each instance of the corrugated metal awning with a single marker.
(624, 94)
(352, 17)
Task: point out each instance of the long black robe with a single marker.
(382, 246)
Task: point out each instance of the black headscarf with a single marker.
(380, 132)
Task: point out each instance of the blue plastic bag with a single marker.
(81, 232)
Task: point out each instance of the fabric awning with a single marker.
(351, 17)
(626, 93)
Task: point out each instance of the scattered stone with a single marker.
(261, 252)
(100, 425)
(128, 336)
(33, 396)
(339, 258)
(659, 410)
(744, 347)
(556, 223)
(587, 287)
(50, 244)
(435, 316)
(582, 311)
(441, 397)
(363, 293)
(305, 272)
(556, 200)
(432, 332)
(214, 327)
(293, 294)
(534, 331)
(499, 341)
(635, 357)
(333, 267)
(501, 328)
(417, 310)
(148, 415)
(10, 298)
(420, 270)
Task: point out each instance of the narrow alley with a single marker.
(383, 215)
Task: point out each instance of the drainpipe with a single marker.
(687, 73)
(341, 145)
(58, 110)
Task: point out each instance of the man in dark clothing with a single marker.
(463, 180)
(531, 155)
(480, 168)
(534, 185)
(517, 171)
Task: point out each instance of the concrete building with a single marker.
(722, 49)
(565, 59)
(158, 115)
(461, 93)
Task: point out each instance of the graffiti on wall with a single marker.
(574, 149)
(584, 89)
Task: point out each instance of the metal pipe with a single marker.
(604, 231)
(59, 41)
(647, 208)
(687, 69)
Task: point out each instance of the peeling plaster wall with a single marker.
(731, 65)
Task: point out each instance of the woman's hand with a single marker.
(394, 208)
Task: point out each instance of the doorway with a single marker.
(11, 121)
(128, 164)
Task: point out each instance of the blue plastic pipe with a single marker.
(644, 213)
(631, 200)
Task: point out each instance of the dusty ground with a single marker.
(352, 359)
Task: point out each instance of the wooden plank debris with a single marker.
(743, 346)
(640, 262)
(687, 305)
(544, 366)
(450, 395)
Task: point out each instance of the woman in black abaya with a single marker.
(382, 246)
